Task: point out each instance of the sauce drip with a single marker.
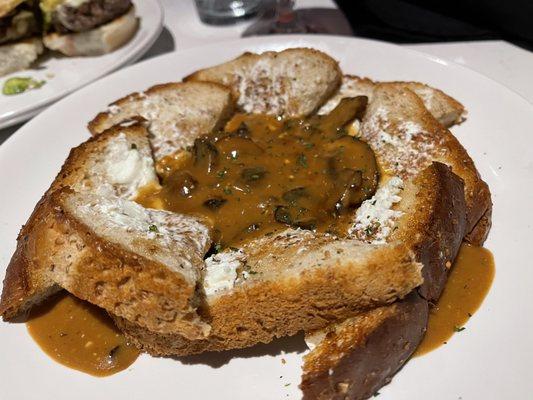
(80, 335)
(261, 174)
(468, 284)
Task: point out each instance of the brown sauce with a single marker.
(261, 174)
(80, 336)
(467, 286)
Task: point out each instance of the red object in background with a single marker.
(279, 17)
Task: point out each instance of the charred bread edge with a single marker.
(95, 125)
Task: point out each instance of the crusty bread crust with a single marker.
(434, 224)
(98, 41)
(56, 249)
(361, 354)
(268, 309)
(25, 284)
(292, 82)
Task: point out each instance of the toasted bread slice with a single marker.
(86, 168)
(397, 123)
(177, 113)
(406, 138)
(353, 359)
(293, 82)
(91, 240)
(444, 108)
(285, 293)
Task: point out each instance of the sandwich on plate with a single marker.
(87, 27)
(71, 27)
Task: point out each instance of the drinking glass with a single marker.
(222, 12)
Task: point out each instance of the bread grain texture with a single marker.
(87, 236)
(331, 280)
(293, 82)
(177, 113)
(406, 138)
(84, 169)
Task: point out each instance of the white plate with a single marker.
(491, 359)
(63, 75)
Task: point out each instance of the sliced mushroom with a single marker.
(205, 154)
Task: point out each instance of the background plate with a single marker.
(491, 359)
(63, 75)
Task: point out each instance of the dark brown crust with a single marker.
(383, 340)
(68, 254)
(479, 233)
(375, 355)
(444, 233)
(24, 284)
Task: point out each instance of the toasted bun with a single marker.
(102, 40)
(7, 6)
(17, 56)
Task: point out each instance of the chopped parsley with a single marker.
(153, 228)
(458, 328)
(302, 160)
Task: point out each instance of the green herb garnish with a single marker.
(458, 328)
(153, 228)
(302, 160)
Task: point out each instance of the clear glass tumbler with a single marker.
(221, 12)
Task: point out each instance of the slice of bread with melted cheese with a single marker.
(178, 113)
(293, 82)
(86, 235)
(444, 108)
